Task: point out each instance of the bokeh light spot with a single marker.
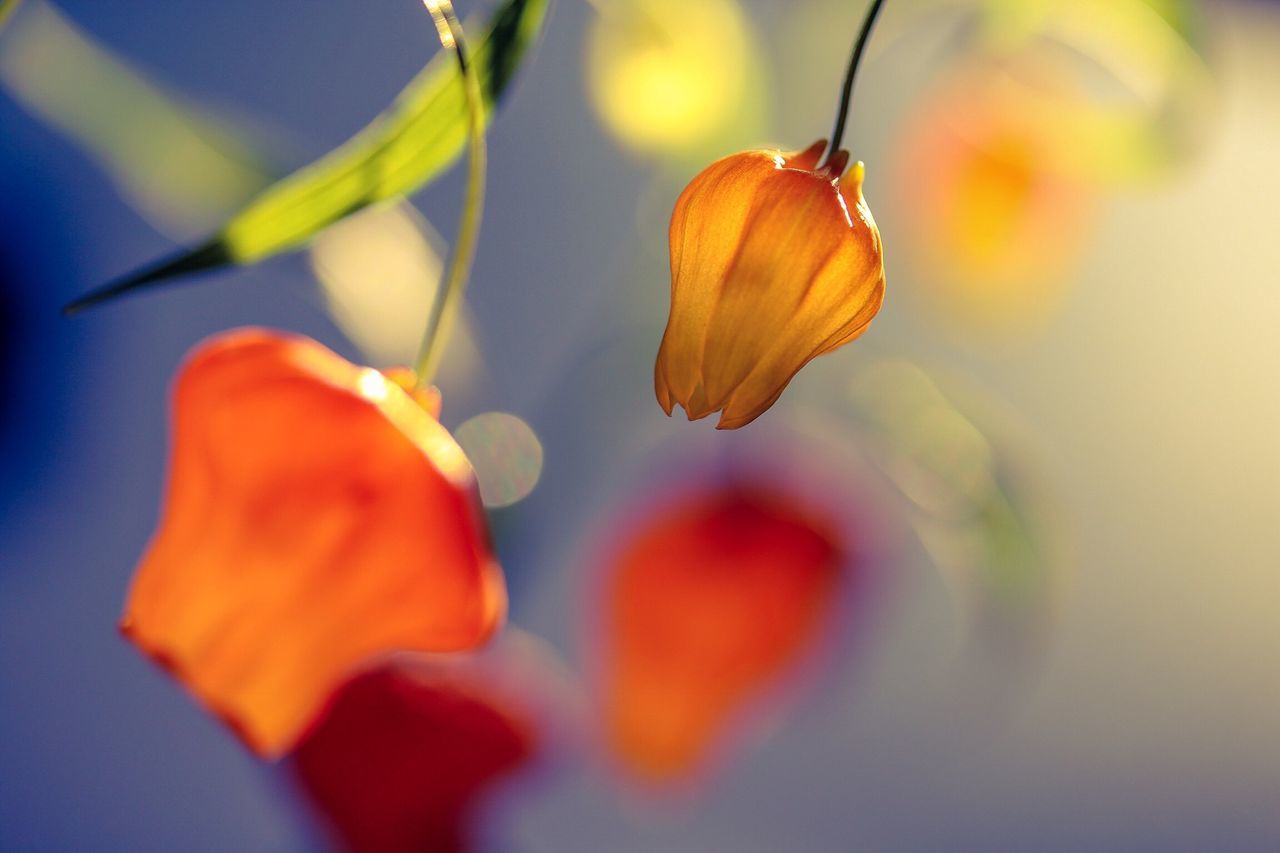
(666, 74)
(379, 271)
(506, 455)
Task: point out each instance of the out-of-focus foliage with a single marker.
(6, 9)
(973, 515)
(675, 77)
(181, 166)
(1148, 114)
(406, 147)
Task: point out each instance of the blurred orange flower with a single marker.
(706, 604)
(316, 515)
(774, 261)
(997, 204)
(401, 755)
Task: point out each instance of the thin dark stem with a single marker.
(846, 94)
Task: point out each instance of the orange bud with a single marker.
(707, 604)
(774, 261)
(316, 515)
(402, 753)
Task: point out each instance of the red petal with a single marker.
(402, 753)
(707, 603)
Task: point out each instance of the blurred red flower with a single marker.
(400, 757)
(316, 515)
(707, 602)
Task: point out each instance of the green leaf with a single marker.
(409, 145)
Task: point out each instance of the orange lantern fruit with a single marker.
(996, 194)
(316, 515)
(774, 261)
(708, 602)
(401, 756)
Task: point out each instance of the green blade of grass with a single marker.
(406, 147)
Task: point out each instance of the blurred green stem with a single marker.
(444, 307)
(6, 9)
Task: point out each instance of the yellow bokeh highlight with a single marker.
(666, 74)
(379, 271)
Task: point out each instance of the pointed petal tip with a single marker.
(736, 422)
(697, 414)
(855, 176)
(660, 388)
(206, 257)
(664, 398)
(808, 158)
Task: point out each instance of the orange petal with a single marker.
(402, 754)
(316, 515)
(698, 243)
(707, 603)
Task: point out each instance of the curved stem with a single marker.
(846, 94)
(444, 307)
